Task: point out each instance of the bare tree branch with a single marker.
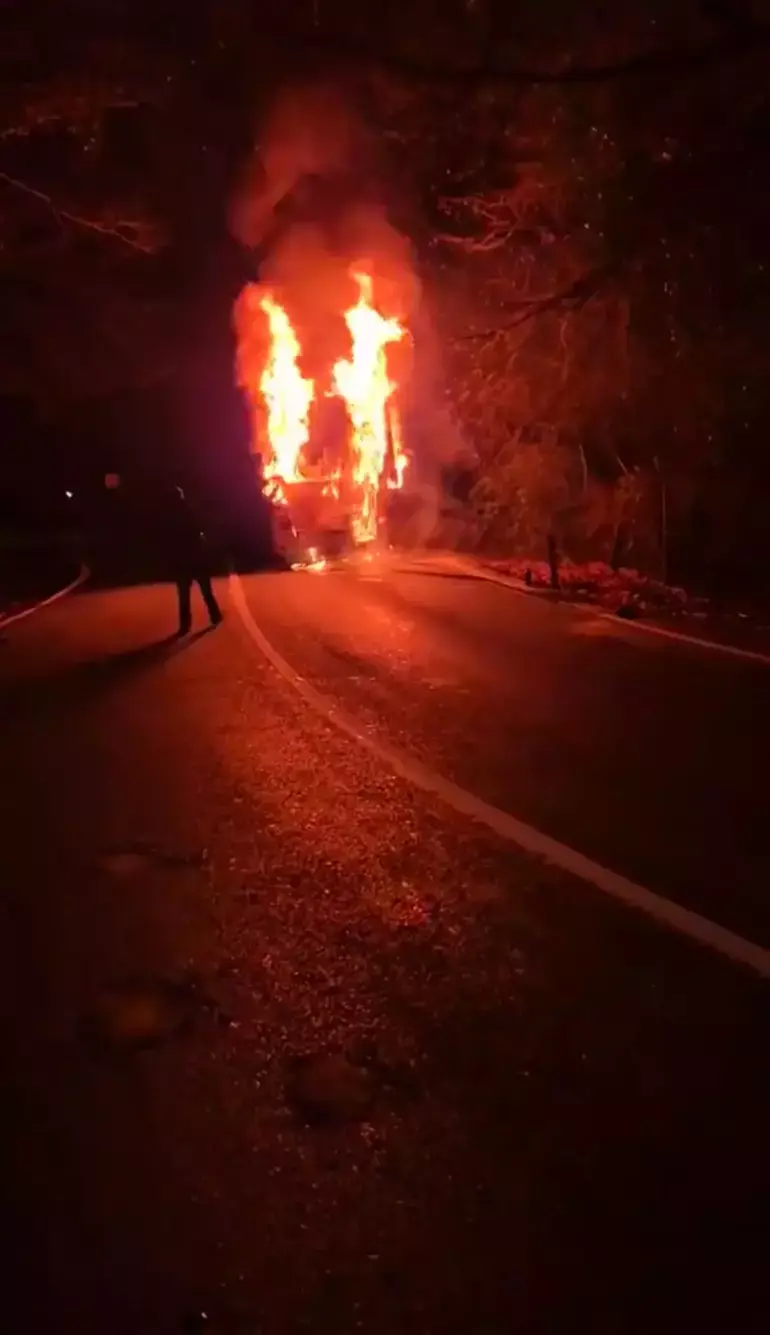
(35, 119)
(577, 295)
(119, 231)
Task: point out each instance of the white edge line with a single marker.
(665, 911)
(54, 598)
(510, 582)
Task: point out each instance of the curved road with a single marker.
(646, 755)
(543, 1113)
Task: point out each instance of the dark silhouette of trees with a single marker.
(597, 235)
(586, 187)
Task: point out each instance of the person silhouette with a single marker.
(191, 554)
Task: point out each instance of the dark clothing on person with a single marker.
(191, 560)
(184, 585)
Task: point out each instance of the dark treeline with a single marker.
(586, 188)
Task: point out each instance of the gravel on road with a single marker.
(359, 1065)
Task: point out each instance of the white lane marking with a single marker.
(54, 598)
(509, 582)
(665, 911)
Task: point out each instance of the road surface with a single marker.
(542, 1112)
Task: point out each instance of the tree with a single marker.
(584, 189)
(77, 226)
(114, 171)
(592, 240)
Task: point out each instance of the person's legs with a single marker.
(209, 598)
(183, 590)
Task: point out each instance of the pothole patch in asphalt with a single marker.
(327, 1088)
(134, 858)
(335, 1088)
(144, 1012)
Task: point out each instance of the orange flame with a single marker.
(364, 385)
(288, 396)
(282, 397)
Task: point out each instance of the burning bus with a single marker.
(325, 413)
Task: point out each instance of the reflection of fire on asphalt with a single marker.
(327, 472)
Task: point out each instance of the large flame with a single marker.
(364, 384)
(283, 398)
(288, 396)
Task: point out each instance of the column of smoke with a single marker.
(312, 143)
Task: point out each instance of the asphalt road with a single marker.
(543, 1113)
(647, 756)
